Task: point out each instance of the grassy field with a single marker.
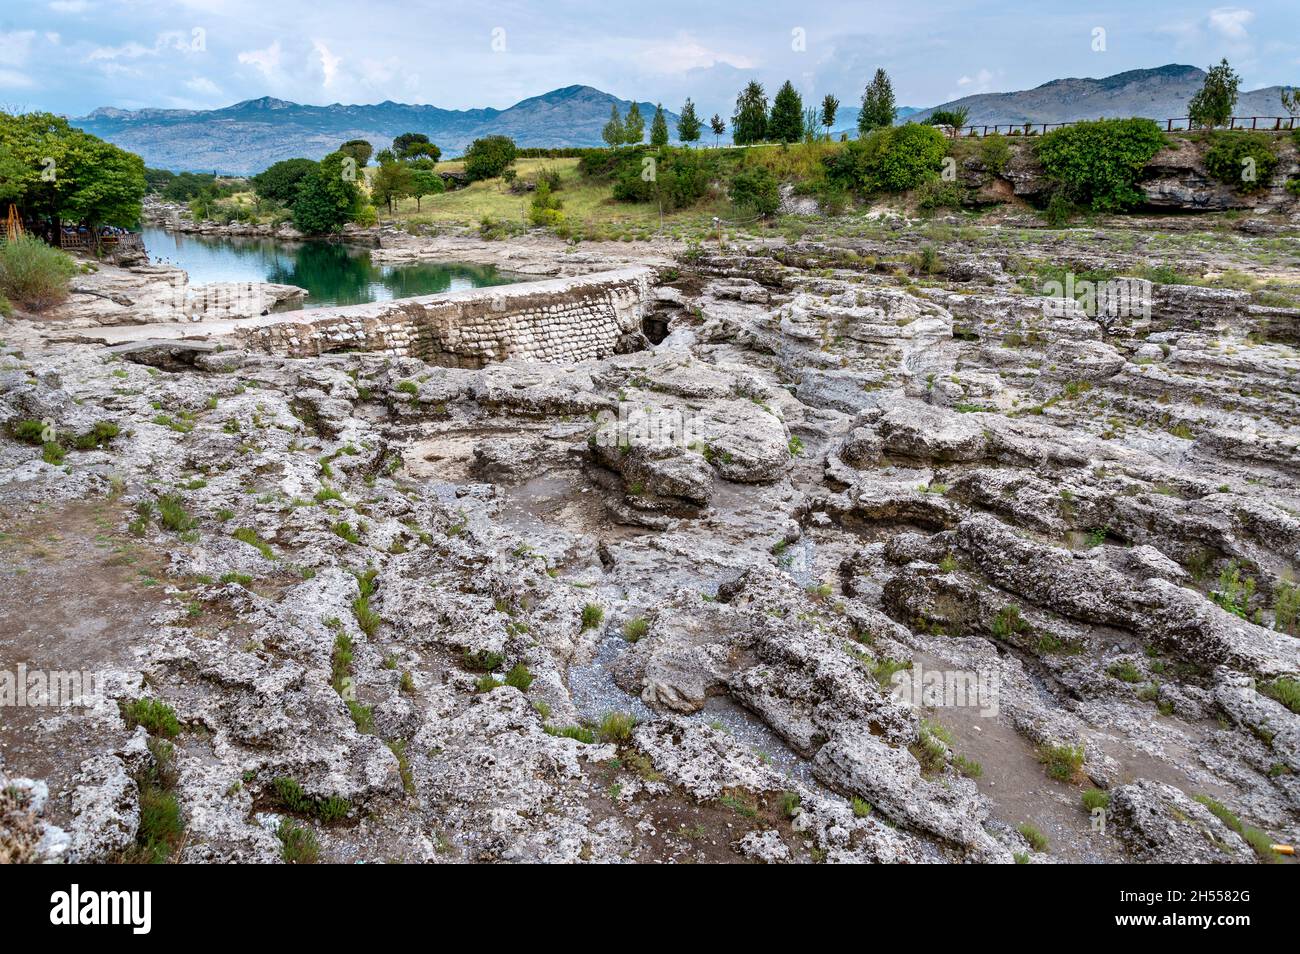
(588, 206)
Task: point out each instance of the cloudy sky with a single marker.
(70, 56)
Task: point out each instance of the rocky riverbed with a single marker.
(870, 553)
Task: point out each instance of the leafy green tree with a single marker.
(425, 182)
(393, 181)
(634, 126)
(786, 122)
(659, 127)
(688, 124)
(955, 117)
(385, 155)
(830, 106)
(718, 127)
(1291, 100)
(488, 157)
(328, 198)
(749, 122)
(409, 144)
(280, 182)
(877, 104)
(358, 149)
(613, 132)
(1213, 103)
(55, 173)
(155, 180)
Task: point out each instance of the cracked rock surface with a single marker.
(861, 563)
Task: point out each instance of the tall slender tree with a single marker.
(786, 121)
(877, 104)
(830, 106)
(718, 127)
(749, 122)
(633, 126)
(613, 131)
(688, 124)
(1213, 103)
(659, 127)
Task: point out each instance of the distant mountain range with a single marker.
(247, 137)
(1160, 93)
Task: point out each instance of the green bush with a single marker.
(1098, 163)
(937, 194)
(33, 274)
(546, 209)
(676, 178)
(488, 157)
(895, 159)
(755, 188)
(1233, 156)
(995, 153)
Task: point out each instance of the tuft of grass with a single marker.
(1258, 840)
(519, 677)
(298, 844)
(161, 826)
(367, 619)
(635, 629)
(581, 733)
(484, 660)
(617, 727)
(789, 804)
(592, 616)
(1037, 840)
(289, 796)
(1124, 671)
(1064, 762)
(1094, 798)
(249, 535)
(173, 515)
(861, 807)
(346, 531)
(398, 748)
(157, 717)
(1284, 690)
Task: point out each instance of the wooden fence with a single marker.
(1256, 123)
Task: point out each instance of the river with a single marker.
(331, 272)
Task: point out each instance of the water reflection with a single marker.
(332, 273)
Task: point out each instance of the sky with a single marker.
(71, 56)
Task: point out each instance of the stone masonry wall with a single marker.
(557, 320)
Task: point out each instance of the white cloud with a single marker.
(1230, 22)
(981, 82)
(16, 47)
(69, 6)
(266, 61)
(684, 52)
(203, 86)
(12, 79)
(329, 63)
(170, 40)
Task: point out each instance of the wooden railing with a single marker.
(1256, 123)
(87, 240)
